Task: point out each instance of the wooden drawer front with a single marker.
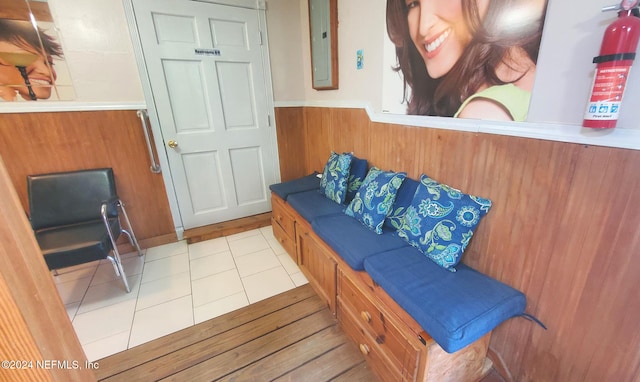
(379, 326)
(287, 242)
(376, 358)
(282, 217)
(318, 266)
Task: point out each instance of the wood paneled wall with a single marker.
(564, 229)
(33, 143)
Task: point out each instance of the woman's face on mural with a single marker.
(40, 72)
(439, 31)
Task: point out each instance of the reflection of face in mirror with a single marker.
(26, 69)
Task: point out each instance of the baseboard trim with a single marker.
(195, 235)
(125, 247)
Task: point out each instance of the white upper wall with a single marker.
(360, 27)
(285, 49)
(572, 37)
(101, 59)
(98, 49)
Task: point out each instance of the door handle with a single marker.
(173, 144)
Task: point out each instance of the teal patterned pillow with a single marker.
(440, 221)
(374, 199)
(334, 177)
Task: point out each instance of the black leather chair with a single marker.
(76, 218)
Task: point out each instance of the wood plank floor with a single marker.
(289, 337)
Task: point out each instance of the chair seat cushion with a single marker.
(311, 204)
(75, 244)
(352, 241)
(306, 183)
(455, 309)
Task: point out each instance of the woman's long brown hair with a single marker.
(477, 65)
(23, 34)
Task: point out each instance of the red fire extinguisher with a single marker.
(617, 53)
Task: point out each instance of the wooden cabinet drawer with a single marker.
(287, 242)
(375, 357)
(381, 328)
(282, 217)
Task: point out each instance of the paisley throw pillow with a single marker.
(441, 220)
(334, 177)
(375, 198)
(357, 173)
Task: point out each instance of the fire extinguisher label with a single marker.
(608, 90)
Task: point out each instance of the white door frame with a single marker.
(260, 6)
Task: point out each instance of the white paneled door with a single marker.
(207, 74)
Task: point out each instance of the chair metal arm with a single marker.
(115, 202)
(104, 208)
(118, 203)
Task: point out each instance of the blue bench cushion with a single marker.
(306, 183)
(455, 309)
(352, 241)
(311, 204)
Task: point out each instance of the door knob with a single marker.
(173, 144)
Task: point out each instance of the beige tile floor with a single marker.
(173, 286)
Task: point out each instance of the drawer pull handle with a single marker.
(364, 349)
(365, 316)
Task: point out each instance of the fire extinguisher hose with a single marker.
(614, 57)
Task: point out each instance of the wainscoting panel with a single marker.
(33, 143)
(564, 229)
(289, 135)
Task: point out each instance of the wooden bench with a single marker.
(394, 344)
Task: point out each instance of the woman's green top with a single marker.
(514, 100)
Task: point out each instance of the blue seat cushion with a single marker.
(352, 241)
(455, 309)
(306, 183)
(311, 204)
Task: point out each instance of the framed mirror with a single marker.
(323, 27)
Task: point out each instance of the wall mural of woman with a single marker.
(467, 58)
(32, 65)
(26, 69)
